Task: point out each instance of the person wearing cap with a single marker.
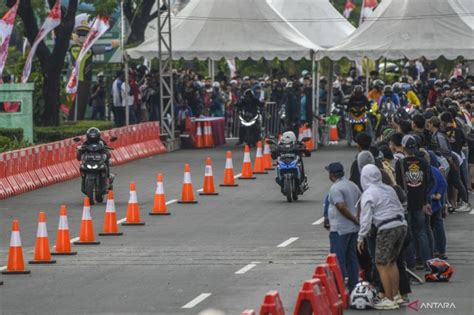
(97, 100)
(413, 175)
(342, 214)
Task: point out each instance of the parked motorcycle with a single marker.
(289, 170)
(95, 170)
(251, 124)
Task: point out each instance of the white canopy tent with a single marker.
(318, 20)
(216, 29)
(412, 29)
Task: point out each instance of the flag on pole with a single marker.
(348, 9)
(51, 22)
(232, 67)
(6, 28)
(99, 27)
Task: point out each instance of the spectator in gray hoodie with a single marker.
(381, 207)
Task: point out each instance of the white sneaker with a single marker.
(398, 299)
(464, 208)
(386, 304)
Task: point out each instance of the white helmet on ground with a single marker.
(288, 138)
(362, 296)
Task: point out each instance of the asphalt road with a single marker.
(221, 253)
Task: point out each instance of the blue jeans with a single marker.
(333, 237)
(439, 234)
(420, 243)
(346, 251)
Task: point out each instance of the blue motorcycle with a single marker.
(290, 171)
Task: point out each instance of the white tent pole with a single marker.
(318, 75)
(367, 75)
(124, 60)
(313, 81)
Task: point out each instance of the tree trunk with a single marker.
(51, 95)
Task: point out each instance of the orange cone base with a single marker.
(269, 168)
(23, 272)
(42, 262)
(133, 223)
(86, 243)
(253, 177)
(159, 213)
(1, 282)
(64, 254)
(260, 172)
(111, 234)
(223, 185)
(208, 194)
(181, 201)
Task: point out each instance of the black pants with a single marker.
(454, 181)
(119, 116)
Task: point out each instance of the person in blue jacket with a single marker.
(438, 193)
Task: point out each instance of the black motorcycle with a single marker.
(251, 124)
(95, 170)
(289, 170)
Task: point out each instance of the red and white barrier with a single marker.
(46, 164)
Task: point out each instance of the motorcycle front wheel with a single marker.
(90, 188)
(288, 189)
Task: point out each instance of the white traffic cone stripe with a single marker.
(86, 213)
(208, 171)
(247, 158)
(159, 188)
(110, 208)
(266, 149)
(42, 231)
(63, 225)
(259, 152)
(15, 240)
(133, 197)
(198, 131)
(229, 164)
(187, 178)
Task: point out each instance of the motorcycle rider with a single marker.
(93, 137)
(250, 104)
(389, 96)
(376, 92)
(288, 139)
(357, 100)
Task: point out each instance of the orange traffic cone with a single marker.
(229, 179)
(309, 134)
(267, 157)
(86, 231)
(247, 165)
(333, 134)
(199, 136)
(208, 137)
(42, 254)
(187, 194)
(209, 188)
(110, 227)
(259, 166)
(16, 264)
(133, 209)
(63, 241)
(159, 203)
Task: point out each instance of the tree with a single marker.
(138, 14)
(52, 62)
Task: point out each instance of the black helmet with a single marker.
(248, 93)
(387, 89)
(397, 88)
(358, 89)
(447, 102)
(438, 83)
(379, 84)
(93, 134)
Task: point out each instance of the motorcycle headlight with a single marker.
(95, 166)
(89, 166)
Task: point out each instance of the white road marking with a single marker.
(319, 221)
(472, 212)
(197, 300)
(125, 219)
(247, 268)
(288, 242)
(171, 201)
(3, 268)
(199, 190)
(121, 221)
(74, 239)
(238, 175)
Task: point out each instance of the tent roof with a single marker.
(230, 29)
(318, 20)
(412, 29)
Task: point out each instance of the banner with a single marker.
(232, 67)
(51, 22)
(99, 27)
(6, 27)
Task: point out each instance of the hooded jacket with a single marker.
(379, 202)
